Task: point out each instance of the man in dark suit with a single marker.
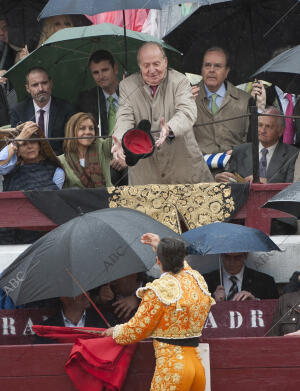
(239, 283)
(76, 312)
(51, 114)
(103, 101)
(277, 159)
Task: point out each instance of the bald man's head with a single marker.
(153, 63)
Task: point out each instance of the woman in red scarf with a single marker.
(85, 161)
(173, 312)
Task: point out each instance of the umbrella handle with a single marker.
(88, 297)
(125, 42)
(220, 271)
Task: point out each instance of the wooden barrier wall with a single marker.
(17, 211)
(239, 364)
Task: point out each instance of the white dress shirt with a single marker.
(68, 323)
(46, 109)
(227, 283)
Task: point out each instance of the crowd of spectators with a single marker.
(186, 124)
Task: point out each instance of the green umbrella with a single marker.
(66, 53)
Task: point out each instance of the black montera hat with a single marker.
(138, 143)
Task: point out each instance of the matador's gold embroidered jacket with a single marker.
(173, 306)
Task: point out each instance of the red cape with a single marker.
(95, 363)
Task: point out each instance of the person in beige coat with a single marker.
(219, 99)
(164, 97)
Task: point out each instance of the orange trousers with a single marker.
(178, 368)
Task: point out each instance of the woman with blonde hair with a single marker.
(85, 160)
(53, 24)
(50, 26)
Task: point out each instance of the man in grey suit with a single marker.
(277, 160)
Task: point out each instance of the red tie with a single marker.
(41, 122)
(288, 135)
(153, 88)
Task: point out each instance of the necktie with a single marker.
(233, 289)
(41, 122)
(111, 114)
(153, 90)
(214, 106)
(288, 135)
(263, 163)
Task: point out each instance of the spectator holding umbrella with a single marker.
(283, 71)
(86, 161)
(240, 283)
(233, 280)
(50, 26)
(53, 24)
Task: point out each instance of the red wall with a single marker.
(237, 364)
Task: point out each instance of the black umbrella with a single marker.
(21, 15)
(283, 70)
(23, 27)
(287, 200)
(249, 29)
(97, 248)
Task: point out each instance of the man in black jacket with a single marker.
(103, 102)
(239, 282)
(76, 312)
(51, 114)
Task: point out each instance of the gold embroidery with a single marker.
(167, 289)
(201, 282)
(197, 204)
(162, 319)
(169, 367)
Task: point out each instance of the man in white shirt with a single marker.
(238, 282)
(50, 113)
(276, 159)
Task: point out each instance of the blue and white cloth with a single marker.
(216, 160)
